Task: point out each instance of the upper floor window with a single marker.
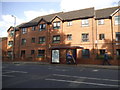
(23, 41)
(56, 39)
(69, 23)
(10, 43)
(117, 20)
(42, 27)
(56, 25)
(101, 22)
(33, 40)
(32, 52)
(41, 40)
(117, 36)
(85, 37)
(33, 28)
(11, 33)
(101, 36)
(85, 22)
(69, 37)
(9, 53)
(24, 30)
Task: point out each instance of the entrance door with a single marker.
(55, 56)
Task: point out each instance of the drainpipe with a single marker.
(19, 42)
(93, 36)
(96, 36)
(112, 37)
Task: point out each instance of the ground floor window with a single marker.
(102, 51)
(118, 53)
(41, 53)
(22, 53)
(85, 53)
(9, 53)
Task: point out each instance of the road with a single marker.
(57, 76)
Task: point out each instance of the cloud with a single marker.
(30, 0)
(6, 22)
(33, 14)
(68, 5)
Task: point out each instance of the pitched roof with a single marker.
(83, 13)
(105, 13)
(71, 15)
(36, 20)
(17, 27)
(77, 14)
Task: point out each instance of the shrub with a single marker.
(102, 57)
(118, 57)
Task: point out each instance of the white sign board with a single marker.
(55, 56)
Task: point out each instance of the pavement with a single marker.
(78, 65)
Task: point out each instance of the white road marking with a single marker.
(14, 72)
(61, 70)
(8, 76)
(86, 77)
(95, 70)
(98, 84)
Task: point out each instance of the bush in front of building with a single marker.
(118, 57)
(101, 57)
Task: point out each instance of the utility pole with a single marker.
(13, 36)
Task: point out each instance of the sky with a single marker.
(26, 10)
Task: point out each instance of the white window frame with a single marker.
(24, 30)
(117, 20)
(42, 27)
(69, 23)
(10, 43)
(117, 34)
(56, 25)
(102, 36)
(69, 37)
(101, 22)
(85, 38)
(85, 22)
(33, 28)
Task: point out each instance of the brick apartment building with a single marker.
(86, 33)
(3, 47)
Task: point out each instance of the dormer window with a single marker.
(42, 27)
(56, 25)
(24, 30)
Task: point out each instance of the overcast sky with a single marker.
(25, 10)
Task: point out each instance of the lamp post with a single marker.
(13, 36)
